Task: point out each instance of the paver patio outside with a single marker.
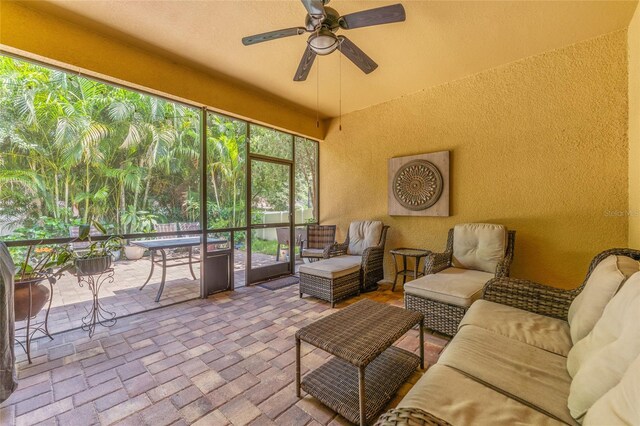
(70, 302)
(228, 359)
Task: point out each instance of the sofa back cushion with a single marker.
(363, 235)
(479, 246)
(621, 405)
(601, 286)
(599, 361)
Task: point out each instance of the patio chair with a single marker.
(81, 246)
(189, 226)
(319, 240)
(169, 227)
(166, 227)
(283, 239)
(365, 239)
(453, 280)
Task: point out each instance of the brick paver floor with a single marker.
(70, 302)
(229, 359)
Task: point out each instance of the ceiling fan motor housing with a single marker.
(331, 21)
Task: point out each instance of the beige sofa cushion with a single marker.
(543, 332)
(621, 405)
(478, 246)
(627, 266)
(528, 374)
(333, 268)
(363, 235)
(460, 287)
(587, 307)
(460, 400)
(599, 361)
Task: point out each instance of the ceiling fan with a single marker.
(323, 22)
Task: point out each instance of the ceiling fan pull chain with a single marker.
(318, 96)
(340, 88)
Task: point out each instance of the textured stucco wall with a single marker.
(53, 38)
(539, 145)
(634, 130)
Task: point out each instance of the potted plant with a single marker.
(137, 221)
(40, 262)
(99, 255)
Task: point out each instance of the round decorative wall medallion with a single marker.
(417, 185)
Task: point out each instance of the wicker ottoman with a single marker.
(444, 298)
(331, 279)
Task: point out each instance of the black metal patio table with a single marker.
(172, 243)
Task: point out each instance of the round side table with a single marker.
(403, 252)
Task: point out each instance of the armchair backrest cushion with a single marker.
(620, 405)
(602, 284)
(599, 361)
(479, 246)
(362, 235)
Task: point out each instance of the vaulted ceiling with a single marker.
(440, 41)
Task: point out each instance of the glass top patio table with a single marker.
(162, 244)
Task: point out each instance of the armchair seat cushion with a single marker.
(454, 286)
(460, 400)
(540, 331)
(333, 268)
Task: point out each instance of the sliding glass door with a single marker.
(270, 203)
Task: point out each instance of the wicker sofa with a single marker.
(527, 353)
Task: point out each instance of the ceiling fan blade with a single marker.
(356, 55)
(272, 35)
(367, 18)
(305, 65)
(315, 8)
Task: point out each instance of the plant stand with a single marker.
(34, 326)
(97, 314)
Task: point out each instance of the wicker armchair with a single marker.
(318, 240)
(371, 270)
(437, 262)
(543, 299)
(444, 300)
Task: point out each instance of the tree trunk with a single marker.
(146, 191)
(136, 193)
(66, 197)
(56, 191)
(87, 188)
(122, 207)
(215, 187)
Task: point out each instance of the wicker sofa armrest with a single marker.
(530, 296)
(436, 262)
(409, 417)
(335, 249)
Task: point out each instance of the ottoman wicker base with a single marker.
(438, 316)
(366, 369)
(336, 384)
(331, 290)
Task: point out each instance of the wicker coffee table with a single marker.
(360, 337)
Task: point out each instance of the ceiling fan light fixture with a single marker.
(323, 42)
